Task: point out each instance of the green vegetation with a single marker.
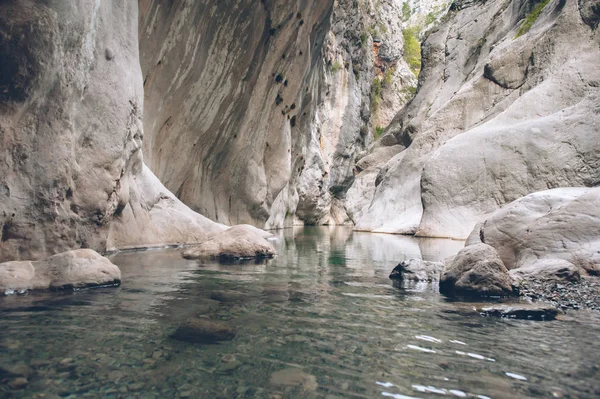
(405, 11)
(531, 18)
(375, 93)
(363, 39)
(409, 91)
(430, 18)
(412, 49)
(336, 67)
(388, 77)
(378, 132)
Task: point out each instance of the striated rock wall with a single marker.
(500, 112)
(71, 104)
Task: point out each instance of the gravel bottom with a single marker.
(584, 294)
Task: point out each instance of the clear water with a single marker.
(325, 306)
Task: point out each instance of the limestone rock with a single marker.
(477, 270)
(521, 311)
(236, 243)
(547, 226)
(495, 118)
(74, 269)
(547, 270)
(417, 270)
(204, 331)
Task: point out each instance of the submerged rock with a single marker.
(236, 243)
(204, 331)
(521, 311)
(417, 270)
(294, 377)
(74, 269)
(477, 270)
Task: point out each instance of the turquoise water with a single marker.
(321, 320)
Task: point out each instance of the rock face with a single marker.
(74, 269)
(477, 270)
(236, 243)
(499, 113)
(417, 270)
(551, 234)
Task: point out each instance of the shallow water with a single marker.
(325, 307)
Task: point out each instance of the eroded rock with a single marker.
(477, 271)
(417, 270)
(236, 243)
(74, 269)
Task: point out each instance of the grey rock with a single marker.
(547, 270)
(476, 271)
(417, 270)
(521, 311)
(204, 331)
(73, 269)
(294, 377)
(236, 243)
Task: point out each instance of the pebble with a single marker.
(584, 294)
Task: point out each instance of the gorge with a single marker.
(464, 132)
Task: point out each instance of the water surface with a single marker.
(324, 309)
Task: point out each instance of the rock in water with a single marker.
(520, 311)
(294, 377)
(204, 331)
(237, 243)
(476, 271)
(73, 269)
(417, 270)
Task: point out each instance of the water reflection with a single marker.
(320, 321)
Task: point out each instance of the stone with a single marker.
(417, 270)
(520, 311)
(236, 243)
(494, 119)
(558, 228)
(73, 269)
(547, 270)
(204, 331)
(16, 370)
(230, 296)
(476, 271)
(294, 377)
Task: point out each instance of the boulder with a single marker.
(476, 271)
(204, 331)
(236, 243)
(417, 270)
(293, 377)
(74, 269)
(556, 230)
(520, 311)
(547, 270)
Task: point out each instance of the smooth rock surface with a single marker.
(74, 269)
(417, 270)
(548, 228)
(236, 243)
(204, 331)
(294, 377)
(476, 271)
(496, 117)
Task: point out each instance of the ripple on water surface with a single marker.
(320, 321)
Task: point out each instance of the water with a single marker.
(324, 311)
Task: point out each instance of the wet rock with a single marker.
(476, 271)
(16, 370)
(236, 243)
(18, 383)
(229, 296)
(294, 377)
(73, 269)
(204, 331)
(521, 311)
(417, 270)
(206, 306)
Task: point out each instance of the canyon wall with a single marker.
(507, 105)
(71, 104)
